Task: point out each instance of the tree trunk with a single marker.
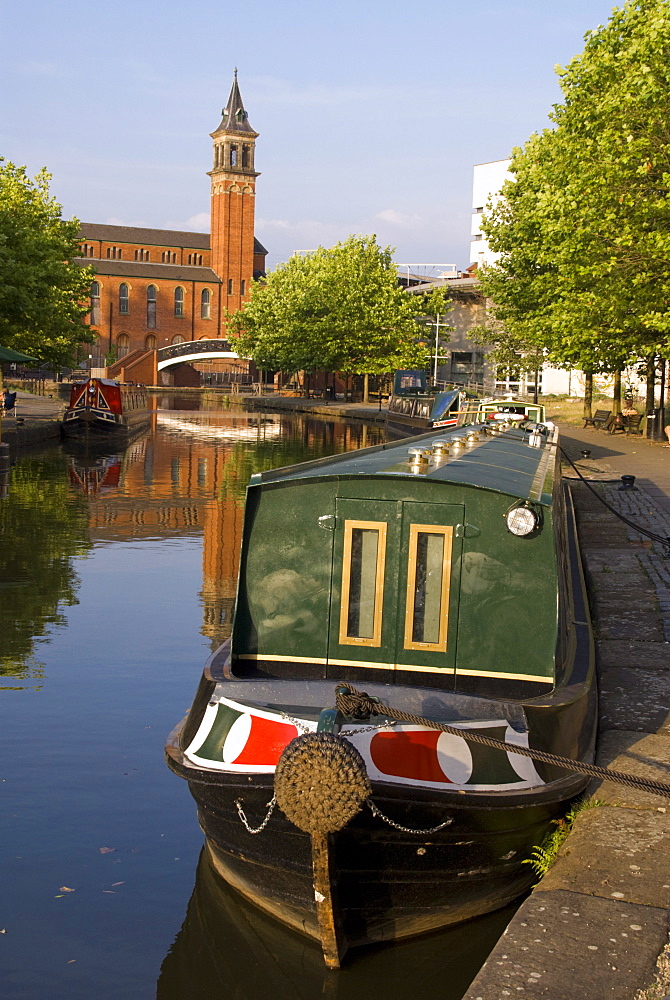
(616, 402)
(588, 395)
(651, 383)
(366, 386)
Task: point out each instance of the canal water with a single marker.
(117, 578)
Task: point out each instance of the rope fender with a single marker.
(321, 782)
(361, 705)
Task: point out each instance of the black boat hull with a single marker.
(390, 884)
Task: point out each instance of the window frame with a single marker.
(152, 313)
(447, 533)
(344, 639)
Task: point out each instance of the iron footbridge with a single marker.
(194, 350)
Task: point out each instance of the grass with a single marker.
(543, 856)
(564, 411)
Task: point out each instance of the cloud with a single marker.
(198, 223)
(35, 68)
(285, 238)
(113, 220)
(400, 219)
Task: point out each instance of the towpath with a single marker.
(37, 419)
(597, 924)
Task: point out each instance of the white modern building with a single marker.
(487, 182)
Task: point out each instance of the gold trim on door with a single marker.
(418, 583)
(354, 615)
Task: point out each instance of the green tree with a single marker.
(43, 293)
(339, 309)
(583, 231)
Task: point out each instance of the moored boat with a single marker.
(412, 412)
(103, 408)
(444, 578)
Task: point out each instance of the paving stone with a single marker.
(640, 756)
(637, 700)
(640, 653)
(615, 853)
(562, 945)
(628, 623)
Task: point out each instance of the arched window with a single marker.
(233, 156)
(243, 286)
(150, 342)
(95, 303)
(178, 339)
(205, 301)
(124, 304)
(179, 301)
(230, 286)
(151, 307)
(122, 344)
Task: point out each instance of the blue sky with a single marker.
(371, 114)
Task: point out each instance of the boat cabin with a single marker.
(433, 561)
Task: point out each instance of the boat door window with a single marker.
(363, 565)
(428, 581)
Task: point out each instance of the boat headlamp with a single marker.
(522, 520)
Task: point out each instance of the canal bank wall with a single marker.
(370, 412)
(36, 420)
(597, 924)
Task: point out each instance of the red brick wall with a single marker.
(233, 240)
(155, 253)
(190, 326)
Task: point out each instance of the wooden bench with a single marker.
(627, 423)
(600, 418)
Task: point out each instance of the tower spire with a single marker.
(234, 117)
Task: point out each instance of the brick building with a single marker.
(156, 287)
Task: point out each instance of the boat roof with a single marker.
(504, 463)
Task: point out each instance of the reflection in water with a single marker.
(97, 475)
(42, 530)
(190, 476)
(227, 947)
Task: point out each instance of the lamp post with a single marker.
(437, 341)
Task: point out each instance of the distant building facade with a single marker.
(487, 183)
(155, 287)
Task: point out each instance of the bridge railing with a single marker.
(193, 347)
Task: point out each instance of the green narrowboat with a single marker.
(442, 574)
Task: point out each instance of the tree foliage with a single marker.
(583, 232)
(43, 293)
(339, 309)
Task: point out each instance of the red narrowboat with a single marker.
(102, 408)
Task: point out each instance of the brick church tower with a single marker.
(233, 196)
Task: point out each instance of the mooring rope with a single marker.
(358, 704)
(663, 539)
